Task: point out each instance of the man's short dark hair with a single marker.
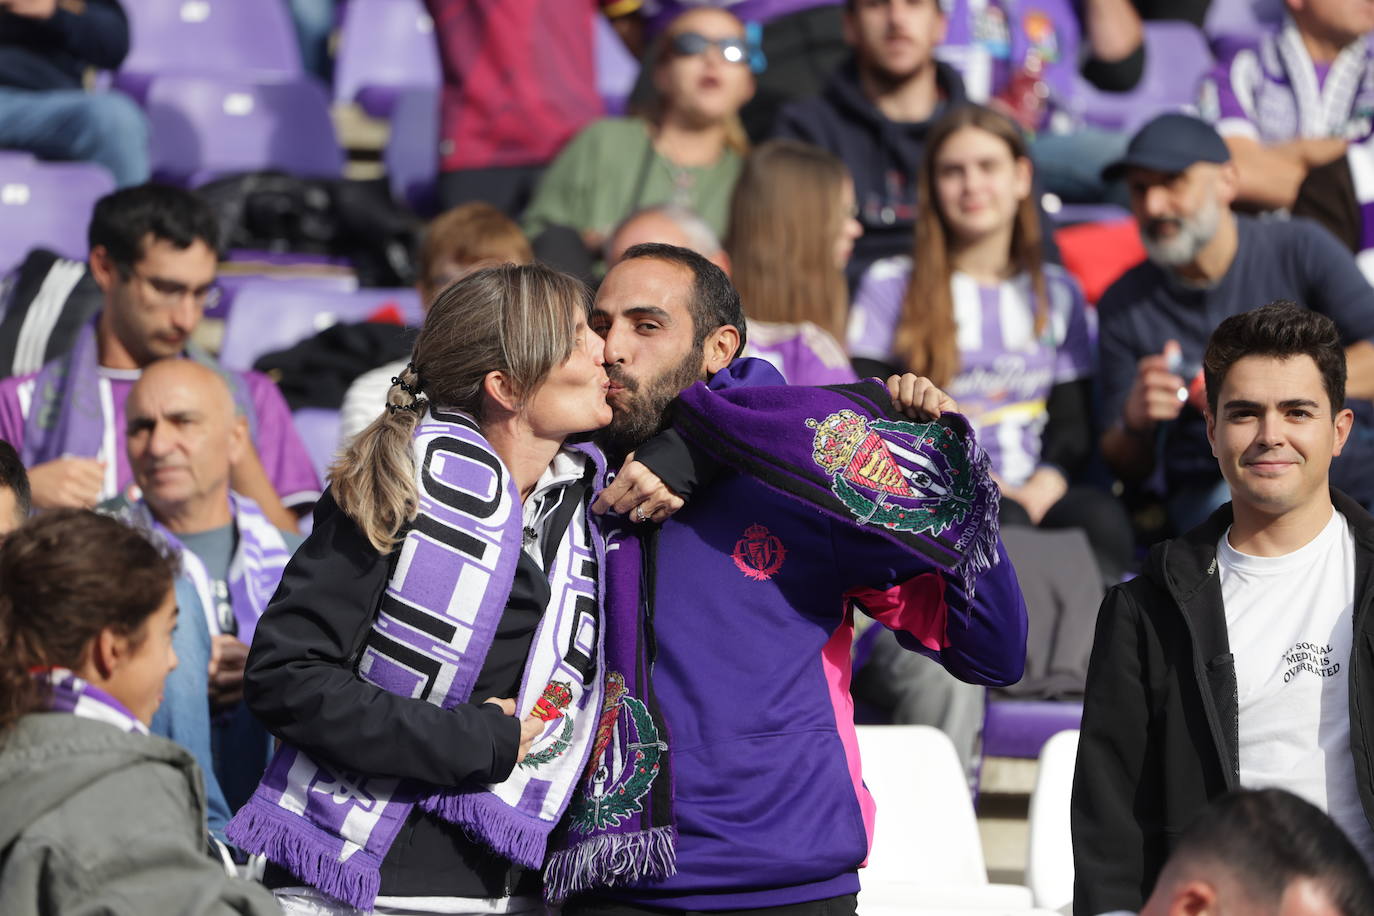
(715, 301)
(1269, 838)
(14, 478)
(1282, 329)
(122, 221)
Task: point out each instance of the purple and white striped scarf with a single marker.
(430, 637)
(82, 698)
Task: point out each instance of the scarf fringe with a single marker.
(610, 860)
(487, 819)
(351, 881)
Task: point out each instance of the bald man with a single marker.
(183, 435)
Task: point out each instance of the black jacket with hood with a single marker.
(882, 155)
(1160, 734)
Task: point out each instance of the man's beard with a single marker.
(1194, 233)
(644, 413)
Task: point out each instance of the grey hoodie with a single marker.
(94, 820)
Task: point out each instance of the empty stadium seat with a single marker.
(47, 205)
(1177, 56)
(268, 316)
(385, 46)
(202, 128)
(1020, 728)
(1049, 848)
(412, 150)
(927, 852)
(252, 39)
(319, 430)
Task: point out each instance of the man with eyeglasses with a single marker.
(152, 254)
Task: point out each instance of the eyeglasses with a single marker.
(170, 292)
(689, 44)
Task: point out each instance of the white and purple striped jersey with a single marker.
(1006, 371)
(1270, 90)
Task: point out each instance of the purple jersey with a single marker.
(803, 353)
(989, 41)
(1271, 91)
(284, 456)
(1006, 371)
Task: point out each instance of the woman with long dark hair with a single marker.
(99, 815)
(978, 311)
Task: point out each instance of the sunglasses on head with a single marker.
(689, 44)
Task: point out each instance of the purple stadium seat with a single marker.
(230, 283)
(385, 46)
(204, 128)
(270, 316)
(47, 205)
(1020, 728)
(412, 150)
(1241, 19)
(248, 39)
(1177, 56)
(616, 68)
(319, 430)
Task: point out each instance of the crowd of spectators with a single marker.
(882, 181)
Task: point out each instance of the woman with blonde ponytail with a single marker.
(430, 662)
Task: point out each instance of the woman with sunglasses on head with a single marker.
(792, 229)
(978, 311)
(99, 815)
(686, 150)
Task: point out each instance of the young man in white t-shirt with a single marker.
(1241, 657)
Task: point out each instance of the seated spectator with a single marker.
(99, 815)
(1263, 851)
(1206, 263)
(687, 151)
(183, 439)
(1241, 655)
(46, 47)
(153, 257)
(15, 501)
(792, 229)
(519, 79)
(801, 43)
(875, 113)
(455, 243)
(1294, 99)
(975, 309)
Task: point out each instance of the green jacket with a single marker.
(611, 170)
(94, 820)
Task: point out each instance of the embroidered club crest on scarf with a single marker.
(624, 764)
(930, 490)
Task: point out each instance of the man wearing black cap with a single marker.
(1205, 264)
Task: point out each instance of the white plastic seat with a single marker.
(1049, 850)
(927, 853)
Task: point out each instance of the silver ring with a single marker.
(640, 515)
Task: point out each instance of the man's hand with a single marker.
(1038, 494)
(228, 656)
(918, 398)
(67, 483)
(531, 727)
(1157, 394)
(31, 9)
(638, 494)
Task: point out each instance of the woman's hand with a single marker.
(531, 727)
(918, 398)
(638, 494)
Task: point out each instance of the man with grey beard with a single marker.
(1205, 264)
